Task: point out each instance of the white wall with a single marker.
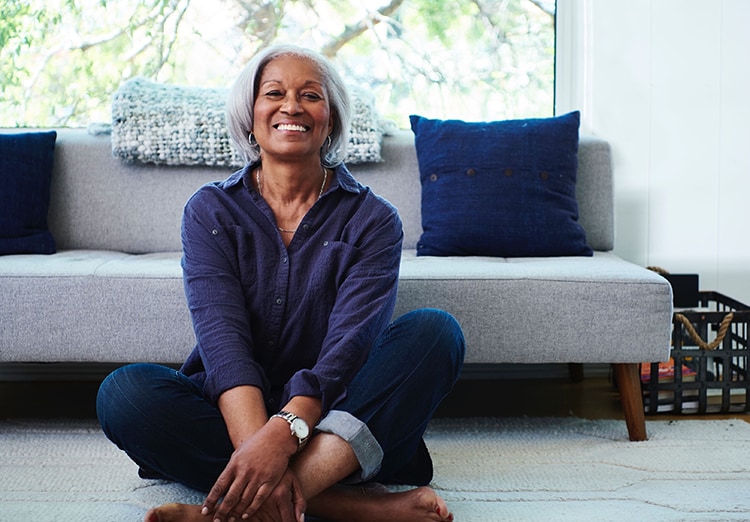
(667, 82)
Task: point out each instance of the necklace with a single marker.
(320, 193)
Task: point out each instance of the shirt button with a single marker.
(305, 226)
(325, 243)
(285, 260)
(270, 344)
(471, 172)
(544, 175)
(433, 177)
(508, 172)
(279, 300)
(215, 232)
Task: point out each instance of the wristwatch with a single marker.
(298, 427)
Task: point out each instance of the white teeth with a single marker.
(290, 127)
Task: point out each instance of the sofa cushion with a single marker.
(499, 188)
(94, 305)
(597, 309)
(26, 161)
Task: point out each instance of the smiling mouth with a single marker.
(291, 127)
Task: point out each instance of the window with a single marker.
(478, 59)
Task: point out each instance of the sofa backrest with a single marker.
(99, 202)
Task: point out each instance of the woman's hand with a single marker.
(286, 503)
(252, 475)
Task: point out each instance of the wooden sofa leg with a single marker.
(629, 384)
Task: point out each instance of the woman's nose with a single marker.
(291, 105)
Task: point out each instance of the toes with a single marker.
(151, 516)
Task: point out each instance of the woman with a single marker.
(298, 387)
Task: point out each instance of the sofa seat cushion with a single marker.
(72, 263)
(94, 305)
(129, 308)
(598, 309)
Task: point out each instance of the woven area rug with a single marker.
(488, 469)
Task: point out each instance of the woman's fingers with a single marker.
(215, 495)
(240, 501)
(250, 477)
(284, 503)
(261, 495)
(228, 496)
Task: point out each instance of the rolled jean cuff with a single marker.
(366, 448)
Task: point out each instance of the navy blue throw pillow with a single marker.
(499, 188)
(26, 161)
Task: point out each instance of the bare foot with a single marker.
(175, 513)
(343, 503)
(367, 505)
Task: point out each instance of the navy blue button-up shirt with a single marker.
(296, 320)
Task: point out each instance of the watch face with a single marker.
(300, 428)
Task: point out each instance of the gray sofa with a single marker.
(113, 293)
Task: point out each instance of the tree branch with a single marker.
(353, 31)
(265, 19)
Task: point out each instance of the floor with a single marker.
(595, 397)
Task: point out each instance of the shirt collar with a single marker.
(342, 178)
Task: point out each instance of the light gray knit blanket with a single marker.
(180, 125)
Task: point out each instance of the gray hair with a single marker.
(244, 92)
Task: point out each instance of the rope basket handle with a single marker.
(703, 345)
(659, 270)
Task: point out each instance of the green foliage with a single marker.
(487, 59)
(15, 21)
(440, 17)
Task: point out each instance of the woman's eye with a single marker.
(312, 96)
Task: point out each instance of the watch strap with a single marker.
(291, 418)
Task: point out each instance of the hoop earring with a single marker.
(329, 142)
(251, 139)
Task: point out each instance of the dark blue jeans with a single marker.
(162, 420)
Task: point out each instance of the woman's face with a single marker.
(291, 115)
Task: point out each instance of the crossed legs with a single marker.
(159, 417)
